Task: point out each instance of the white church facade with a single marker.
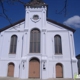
(37, 47)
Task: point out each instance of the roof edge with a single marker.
(9, 26)
(64, 26)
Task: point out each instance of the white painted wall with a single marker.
(47, 53)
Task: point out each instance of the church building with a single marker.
(37, 47)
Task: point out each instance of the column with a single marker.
(43, 46)
(25, 44)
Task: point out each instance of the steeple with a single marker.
(36, 3)
(36, 11)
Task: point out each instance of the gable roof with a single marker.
(11, 25)
(62, 25)
(52, 21)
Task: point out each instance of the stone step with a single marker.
(54, 79)
(10, 78)
(63, 79)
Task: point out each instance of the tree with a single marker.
(3, 12)
(64, 9)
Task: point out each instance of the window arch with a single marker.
(13, 44)
(35, 41)
(58, 44)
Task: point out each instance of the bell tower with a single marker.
(35, 14)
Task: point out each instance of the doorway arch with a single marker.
(10, 70)
(59, 70)
(34, 68)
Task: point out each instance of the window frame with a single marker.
(13, 44)
(35, 40)
(56, 45)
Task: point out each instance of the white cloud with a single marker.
(73, 21)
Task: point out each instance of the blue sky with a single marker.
(16, 12)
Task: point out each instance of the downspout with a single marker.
(19, 70)
(70, 55)
(21, 55)
(0, 41)
(73, 46)
(22, 47)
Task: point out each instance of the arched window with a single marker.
(35, 41)
(58, 44)
(10, 72)
(13, 44)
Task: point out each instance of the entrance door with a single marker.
(10, 70)
(34, 68)
(59, 71)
